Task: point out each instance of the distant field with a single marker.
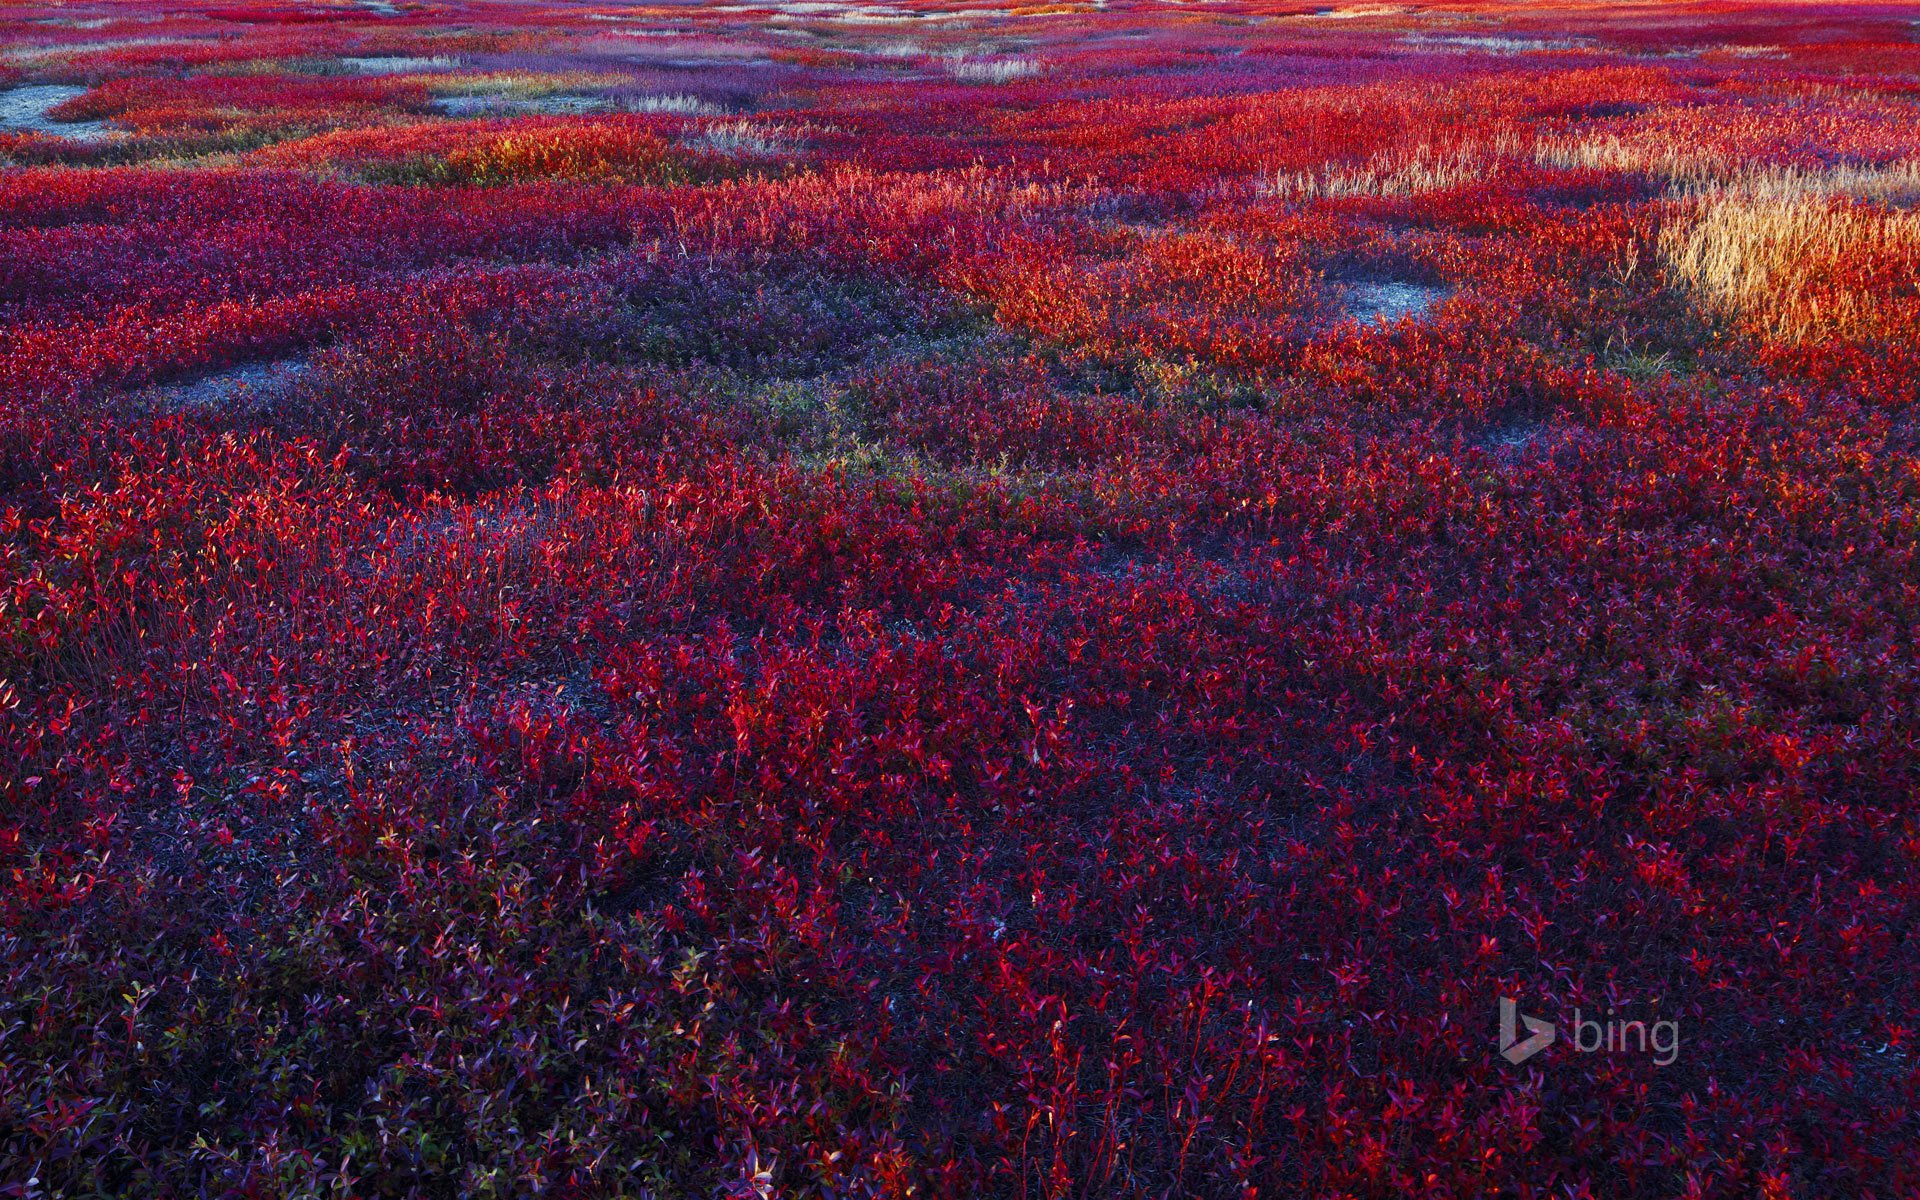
(1116, 599)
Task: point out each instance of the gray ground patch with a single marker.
(251, 381)
(471, 106)
(1528, 440)
(25, 109)
(399, 64)
(1387, 301)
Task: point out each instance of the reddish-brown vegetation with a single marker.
(878, 600)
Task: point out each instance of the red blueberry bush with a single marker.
(1024, 601)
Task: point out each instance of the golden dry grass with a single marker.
(1403, 171)
(1662, 159)
(1797, 253)
(1788, 260)
(1694, 171)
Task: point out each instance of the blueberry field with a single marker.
(1114, 599)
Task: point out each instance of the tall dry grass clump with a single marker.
(992, 70)
(1797, 252)
(1690, 170)
(1665, 159)
(1894, 184)
(1402, 171)
(1799, 264)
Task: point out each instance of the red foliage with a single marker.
(876, 615)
